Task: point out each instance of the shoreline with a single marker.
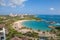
(19, 23)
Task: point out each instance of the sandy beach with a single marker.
(18, 25)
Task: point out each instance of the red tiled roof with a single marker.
(17, 38)
(2, 25)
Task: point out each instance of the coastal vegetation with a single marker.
(32, 34)
(56, 31)
(8, 21)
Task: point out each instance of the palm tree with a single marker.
(53, 29)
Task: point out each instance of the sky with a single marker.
(43, 7)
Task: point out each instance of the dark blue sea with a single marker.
(55, 18)
(43, 25)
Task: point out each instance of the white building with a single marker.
(12, 15)
(2, 33)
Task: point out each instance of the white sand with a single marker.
(18, 25)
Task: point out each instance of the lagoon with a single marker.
(42, 25)
(37, 25)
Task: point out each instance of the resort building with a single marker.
(17, 38)
(2, 32)
(46, 36)
(12, 15)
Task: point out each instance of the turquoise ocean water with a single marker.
(36, 25)
(42, 25)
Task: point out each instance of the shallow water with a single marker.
(36, 25)
(42, 25)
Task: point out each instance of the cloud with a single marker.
(52, 9)
(2, 3)
(12, 3)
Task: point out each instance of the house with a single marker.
(17, 38)
(2, 32)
